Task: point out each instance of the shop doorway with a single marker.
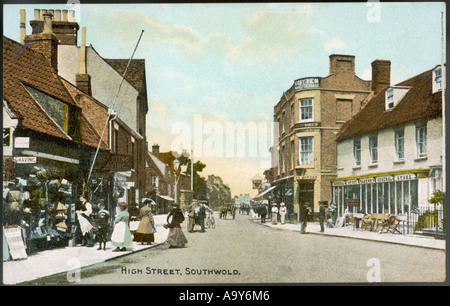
(306, 194)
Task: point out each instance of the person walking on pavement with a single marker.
(84, 218)
(191, 214)
(274, 213)
(176, 237)
(322, 215)
(121, 236)
(201, 217)
(263, 213)
(303, 217)
(102, 229)
(283, 212)
(146, 230)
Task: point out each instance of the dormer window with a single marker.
(437, 79)
(390, 98)
(394, 94)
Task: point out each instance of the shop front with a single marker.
(39, 192)
(393, 193)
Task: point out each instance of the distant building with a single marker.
(389, 156)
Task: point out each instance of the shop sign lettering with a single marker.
(306, 83)
(25, 159)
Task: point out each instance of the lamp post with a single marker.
(178, 169)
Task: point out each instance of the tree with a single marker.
(199, 181)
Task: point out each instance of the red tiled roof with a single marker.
(419, 102)
(90, 131)
(24, 66)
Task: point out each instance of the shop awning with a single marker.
(166, 198)
(266, 191)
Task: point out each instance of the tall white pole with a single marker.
(192, 172)
(443, 76)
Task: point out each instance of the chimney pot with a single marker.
(44, 11)
(64, 12)
(57, 15)
(22, 26)
(37, 14)
(47, 24)
(71, 16)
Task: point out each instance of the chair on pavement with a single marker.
(391, 225)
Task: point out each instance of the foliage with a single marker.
(430, 218)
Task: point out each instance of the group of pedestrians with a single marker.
(122, 236)
(197, 213)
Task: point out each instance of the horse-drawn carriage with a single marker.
(227, 209)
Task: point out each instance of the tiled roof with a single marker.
(90, 129)
(419, 102)
(135, 73)
(24, 66)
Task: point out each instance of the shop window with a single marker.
(306, 109)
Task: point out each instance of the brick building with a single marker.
(309, 114)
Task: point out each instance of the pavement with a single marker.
(70, 259)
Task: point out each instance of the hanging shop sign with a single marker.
(353, 202)
(14, 239)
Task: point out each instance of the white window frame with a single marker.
(390, 98)
(301, 107)
(373, 148)
(399, 136)
(356, 151)
(305, 151)
(421, 140)
(437, 79)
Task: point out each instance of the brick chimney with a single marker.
(65, 29)
(155, 148)
(45, 41)
(82, 79)
(381, 75)
(340, 63)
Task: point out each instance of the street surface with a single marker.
(242, 251)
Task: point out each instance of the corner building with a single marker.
(309, 115)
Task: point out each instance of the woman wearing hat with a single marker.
(283, 211)
(146, 229)
(176, 237)
(121, 236)
(274, 214)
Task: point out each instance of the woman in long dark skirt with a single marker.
(176, 237)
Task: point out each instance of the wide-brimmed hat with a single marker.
(282, 203)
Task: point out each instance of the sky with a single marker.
(212, 67)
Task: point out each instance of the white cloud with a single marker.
(335, 45)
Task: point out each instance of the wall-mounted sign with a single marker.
(22, 142)
(113, 162)
(307, 83)
(25, 159)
